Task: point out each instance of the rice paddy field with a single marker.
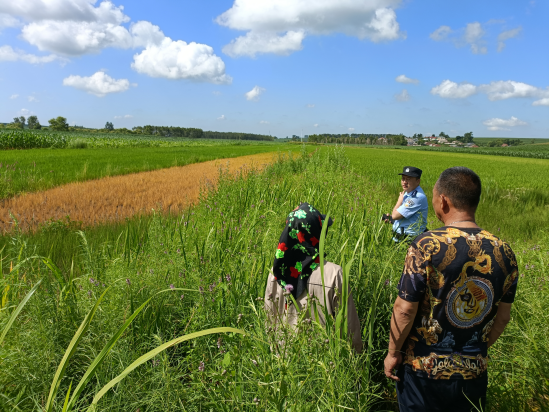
(163, 310)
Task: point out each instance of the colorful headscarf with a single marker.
(297, 254)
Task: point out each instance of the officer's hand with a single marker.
(392, 362)
(401, 197)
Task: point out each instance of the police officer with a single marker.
(409, 216)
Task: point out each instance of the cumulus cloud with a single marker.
(315, 125)
(180, 60)
(279, 26)
(8, 21)
(14, 96)
(403, 96)
(79, 27)
(8, 54)
(541, 102)
(509, 89)
(351, 129)
(126, 116)
(99, 84)
(310, 106)
(506, 35)
(25, 112)
(256, 43)
(263, 122)
(503, 124)
(441, 33)
(403, 79)
(222, 117)
(32, 99)
(254, 93)
(451, 90)
(472, 34)
(498, 90)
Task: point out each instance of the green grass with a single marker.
(224, 248)
(38, 169)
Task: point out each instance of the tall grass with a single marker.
(224, 248)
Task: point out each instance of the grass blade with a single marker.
(107, 348)
(151, 354)
(17, 310)
(70, 351)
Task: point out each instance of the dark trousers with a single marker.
(432, 395)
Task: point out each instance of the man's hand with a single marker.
(392, 362)
(401, 198)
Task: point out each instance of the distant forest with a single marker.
(169, 131)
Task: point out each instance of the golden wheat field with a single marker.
(118, 197)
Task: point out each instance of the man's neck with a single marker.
(460, 219)
(411, 190)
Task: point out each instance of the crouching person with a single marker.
(296, 272)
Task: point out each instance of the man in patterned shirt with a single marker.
(454, 301)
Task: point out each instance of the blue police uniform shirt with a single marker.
(414, 208)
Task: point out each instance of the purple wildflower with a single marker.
(289, 288)
(172, 286)
(201, 367)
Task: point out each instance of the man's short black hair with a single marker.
(461, 185)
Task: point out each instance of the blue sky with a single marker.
(280, 66)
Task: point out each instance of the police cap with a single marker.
(411, 171)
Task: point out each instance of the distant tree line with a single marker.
(509, 142)
(363, 138)
(195, 133)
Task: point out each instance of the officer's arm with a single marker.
(500, 322)
(395, 214)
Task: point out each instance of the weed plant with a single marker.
(207, 268)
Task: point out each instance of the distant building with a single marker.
(504, 145)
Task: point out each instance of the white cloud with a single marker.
(75, 38)
(315, 125)
(263, 122)
(279, 26)
(126, 116)
(8, 54)
(310, 106)
(25, 112)
(180, 60)
(222, 117)
(216, 93)
(451, 90)
(506, 35)
(503, 124)
(471, 35)
(79, 27)
(502, 90)
(32, 99)
(351, 129)
(403, 79)
(541, 102)
(8, 21)
(403, 96)
(256, 43)
(441, 33)
(255, 93)
(99, 84)
(498, 90)
(14, 96)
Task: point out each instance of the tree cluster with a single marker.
(355, 138)
(466, 138)
(509, 142)
(59, 124)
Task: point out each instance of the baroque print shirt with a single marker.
(459, 277)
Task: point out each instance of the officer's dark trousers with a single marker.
(432, 395)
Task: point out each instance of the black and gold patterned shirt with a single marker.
(459, 276)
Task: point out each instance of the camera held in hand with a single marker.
(387, 217)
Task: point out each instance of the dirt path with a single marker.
(115, 198)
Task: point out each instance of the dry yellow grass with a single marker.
(116, 198)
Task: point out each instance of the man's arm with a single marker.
(402, 320)
(395, 213)
(503, 317)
